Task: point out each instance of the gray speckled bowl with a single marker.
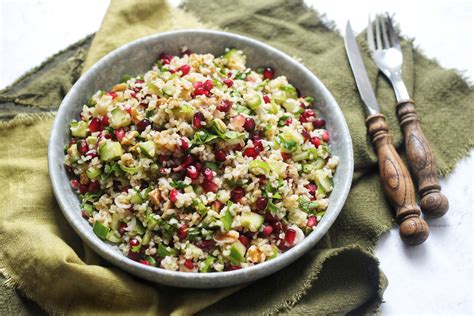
(136, 58)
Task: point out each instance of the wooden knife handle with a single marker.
(397, 183)
(421, 161)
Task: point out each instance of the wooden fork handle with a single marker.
(421, 161)
(397, 183)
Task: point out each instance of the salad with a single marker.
(202, 164)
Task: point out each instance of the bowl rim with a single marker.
(193, 279)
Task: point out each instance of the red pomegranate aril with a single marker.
(288, 121)
(163, 171)
(75, 184)
(220, 155)
(134, 95)
(238, 147)
(266, 99)
(119, 134)
(308, 113)
(198, 166)
(107, 136)
(83, 147)
(268, 73)
(84, 214)
(258, 145)
(197, 120)
(236, 194)
(261, 203)
(133, 242)
(187, 160)
(184, 144)
(182, 232)
(249, 124)
(174, 195)
(303, 119)
(281, 245)
(189, 264)
(209, 186)
(312, 221)
(208, 85)
(312, 188)
(187, 51)
(285, 156)
(325, 136)
(192, 172)
(319, 123)
(217, 206)
(184, 69)
(112, 94)
(201, 92)
(142, 125)
(315, 141)
(206, 244)
(290, 236)
(93, 186)
(163, 158)
(270, 218)
(276, 227)
(139, 81)
(262, 179)
(95, 125)
(228, 82)
(305, 134)
(225, 106)
(251, 152)
(145, 262)
(267, 230)
(105, 120)
(244, 240)
(122, 229)
(198, 85)
(232, 267)
(207, 173)
(133, 255)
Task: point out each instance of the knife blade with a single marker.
(360, 74)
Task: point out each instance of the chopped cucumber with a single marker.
(148, 148)
(79, 129)
(93, 172)
(291, 105)
(301, 156)
(324, 181)
(251, 221)
(184, 111)
(290, 91)
(207, 264)
(253, 100)
(109, 151)
(278, 167)
(259, 167)
(146, 238)
(234, 56)
(275, 252)
(73, 153)
(112, 237)
(237, 252)
(100, 230)
(92, 140)
(169, 88)
(227, 218)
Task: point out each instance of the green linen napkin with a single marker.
(42, 257)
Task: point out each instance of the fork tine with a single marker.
(370, 36)
(393, 35)
(377, 34)
(384, 31)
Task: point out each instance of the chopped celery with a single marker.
(301, 156)
(207, 264)
(237, 252)
(259, 167)
(93, 172)
(100, 230)
(148, 148)
(227, 218)
(88, 208)
(79, 129)
(290, 91)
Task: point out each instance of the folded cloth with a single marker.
(42, 257)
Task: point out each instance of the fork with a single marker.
(385, 49)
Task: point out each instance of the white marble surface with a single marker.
(435, 278)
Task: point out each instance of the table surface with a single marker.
(434, 278)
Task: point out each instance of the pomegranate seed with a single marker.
(258, 145)
(186, 52)
(163, 171)
(83, 147)
(197, 120)
(133, 242)
(262, 179)
(256, 137)
(249, 124)
(312, 188)
(189, 264)
(198, 166)
(220, 155)
(261, 203)
(268, 73)
(290, 236)
(281, 245)
(192, 172)
(122, 229)
(139, 81)
(75, 184)
(267, 230)
(134, 95)
(201, 92)
(163, 158)
(182, 232)
(119, 134)
(207, 173)
(228, 82)
(244, 240)
(325, 136)
(174, 195)
(232, 267)
(105, 120)
(198, 85)
(206, 244)
(112, 94)
(209, 186)
(84, 214)
(142, 261)
(315, 141)
(251, 152)
(184, 69)
(184, 144)
(107, 136)
(305, 134)
(93, 186)
(312, 221)
(72, 142)
(266, 99)
(165, 58)
(142, 125)
(288, 121)
(208, 85)
(187, 160)
(225, 106)
(285, 156)
(276, 227)
(236, 194)
(319, 123)
(217, 205)
(308, 113)
(95, 125)
(133, 255)
(238, 147)
(303, 119)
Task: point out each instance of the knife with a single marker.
(396, 181)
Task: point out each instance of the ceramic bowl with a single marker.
(136, 58)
